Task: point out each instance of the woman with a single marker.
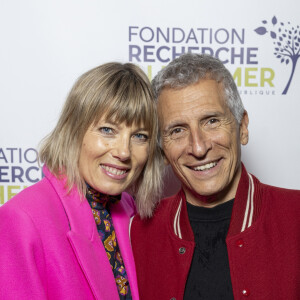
(66, 237)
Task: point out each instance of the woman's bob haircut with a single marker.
(121, 92)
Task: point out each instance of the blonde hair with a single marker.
(123, 92)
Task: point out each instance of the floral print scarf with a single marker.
(100, 204)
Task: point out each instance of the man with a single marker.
(224, 235)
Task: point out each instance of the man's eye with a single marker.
(141, 137)
(176, 131)
(213, 122)
(106, 130)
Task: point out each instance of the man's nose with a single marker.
(199, 142)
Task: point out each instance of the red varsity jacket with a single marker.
(263, 244)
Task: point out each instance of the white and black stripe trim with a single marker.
(130, 223)
(177, 220)
(248, 216)
(249, 206)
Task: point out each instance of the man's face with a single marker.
(201, 140)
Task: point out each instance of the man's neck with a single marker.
(213, 200)
(205, 201)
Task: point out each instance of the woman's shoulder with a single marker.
(34, 199)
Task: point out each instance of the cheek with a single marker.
(86, 153)
(174, 149)
(221, 135)
(83, 156)
(83, 163)
(232, 143)
(85, 159)
(141, 155)
(97, 148)
(225, 139)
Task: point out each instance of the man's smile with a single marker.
(204, 167)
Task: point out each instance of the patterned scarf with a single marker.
(100, 207)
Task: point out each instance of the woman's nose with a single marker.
(121, 149)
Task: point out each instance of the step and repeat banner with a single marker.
(46, 45)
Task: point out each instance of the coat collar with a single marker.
(121, 222)
(87, 245)
(245, 211)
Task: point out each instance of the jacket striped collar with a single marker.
(245, 210)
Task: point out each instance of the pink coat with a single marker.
(50, 247)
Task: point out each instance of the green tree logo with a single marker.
(286, 39)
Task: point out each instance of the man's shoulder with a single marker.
(282, 193)
(276, 194)
(282, 202)
(147, 233)
(162, 213)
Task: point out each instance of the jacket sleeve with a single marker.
(22, 271)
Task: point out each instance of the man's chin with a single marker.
(200, 199)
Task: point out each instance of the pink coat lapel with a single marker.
(85, 241)
(121, 225)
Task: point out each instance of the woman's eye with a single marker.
(106, 130)
(141, 137)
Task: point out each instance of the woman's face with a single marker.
(113, 155)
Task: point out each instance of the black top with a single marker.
(209, 276)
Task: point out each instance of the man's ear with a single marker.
(244, 133)
(166, 161)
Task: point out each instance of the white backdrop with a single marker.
(46, 45)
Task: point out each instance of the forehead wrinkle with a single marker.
(192, 103)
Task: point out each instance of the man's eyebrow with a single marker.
(173, 124)
(205, 116)
(212, 114)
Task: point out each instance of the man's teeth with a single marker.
(205, 167)
(113, 170)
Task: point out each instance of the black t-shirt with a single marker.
(209, 276)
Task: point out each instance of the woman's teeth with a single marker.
(113, 170)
